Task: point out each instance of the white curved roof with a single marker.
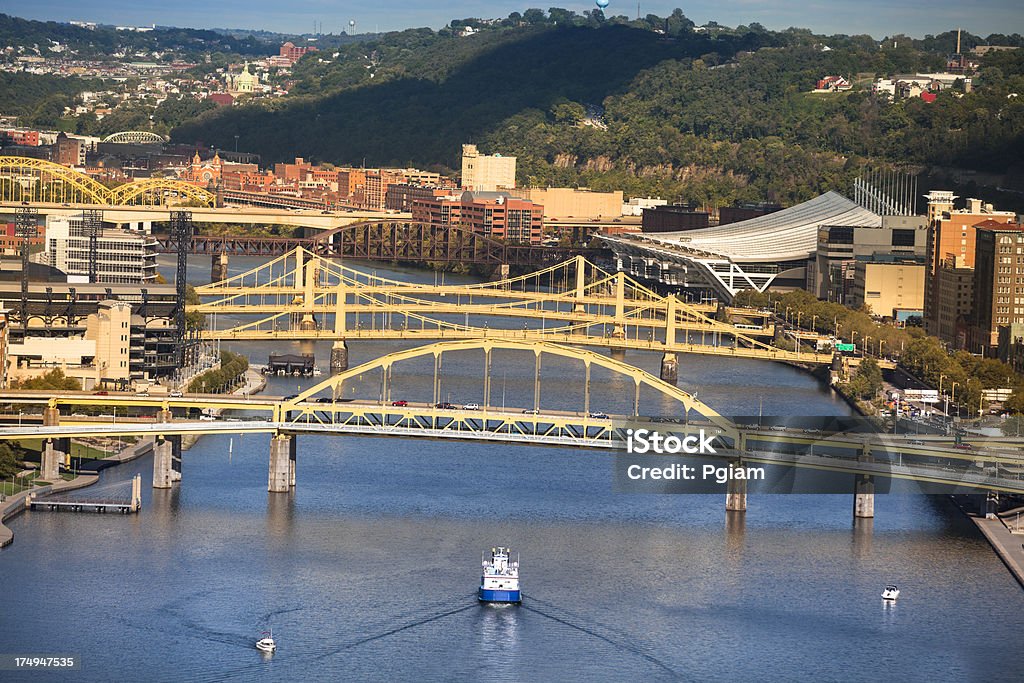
(786, 235)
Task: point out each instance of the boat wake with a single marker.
(618, 639)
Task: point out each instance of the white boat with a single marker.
(891, 592)
(500, 579)
(266, 644)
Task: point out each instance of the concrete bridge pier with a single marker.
(339, 356)
(501, 272)
(51, 417)
(736, 494)
(308, 322)
(163, 454)
(282, 463)
(670, 368)
(991, 507)
(219, 267)
(51, 458)
(864, 496)
(175, 457)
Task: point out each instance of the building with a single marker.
(744, 212)
(69, 151)
(830, 274)
(10, 243)
(674, 218)
(636, 205)
(494, 214)
(952, 239)
(402, 196)
(998, 283)
(568, 202)
(84, 326)
(833, 84)
(953, 289)
(293, 53)
(768, 252)
(1011, 345)
(486, 173)
(888, 285)
(204, 173)
(121, 256)
(244, 83)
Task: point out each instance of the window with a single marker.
(903, 238)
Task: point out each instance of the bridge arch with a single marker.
(159, 191)
(38, 180)
(135, 136)
(640, 378)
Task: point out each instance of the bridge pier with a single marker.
(864, 496)
(339, 356)
(670, 368)
(308, 322)
(991, 508)
(50, 460)
(282, 463)
(736, 493)
(51, 417)
(501, 272)
(219, 267)
(175, 457)
(163, 455)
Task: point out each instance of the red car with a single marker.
(101, 393)
(401, 404)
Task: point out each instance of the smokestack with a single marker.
(958, 41)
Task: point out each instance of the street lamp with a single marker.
(953, 400)
(881, 343)
(787, 313)
(867, 347)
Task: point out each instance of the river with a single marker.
(367, 570)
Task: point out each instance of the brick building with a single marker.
(494, 214)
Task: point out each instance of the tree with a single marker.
(54, 379)
(867, 380)
(9, 457)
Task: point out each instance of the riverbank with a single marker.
(18, 503)
(1008, 546)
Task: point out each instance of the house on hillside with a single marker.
(833, 84)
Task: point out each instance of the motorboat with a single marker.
(266, 643)
(891, 592)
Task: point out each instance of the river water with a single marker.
(367, 570)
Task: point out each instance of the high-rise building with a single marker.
(121, 256)
(888, 286)
(69, 151)
(487, 173)
(953, 288)
(952, 236)
(998, 282)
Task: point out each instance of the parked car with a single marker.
(471, 406)
(401, 403)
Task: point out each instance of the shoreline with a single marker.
(17, 503)
(1009, 547)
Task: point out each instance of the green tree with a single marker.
(9, 460)
(54, 379)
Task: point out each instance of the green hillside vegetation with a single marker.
(711, 117)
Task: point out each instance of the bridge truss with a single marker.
(36, 180)
(302, 295)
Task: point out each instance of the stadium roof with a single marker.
(786, 235)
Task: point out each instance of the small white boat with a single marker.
(266, 644)
(891, 592)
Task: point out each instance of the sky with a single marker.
(875, 17)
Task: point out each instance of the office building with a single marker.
(121, 256)
(487, 173)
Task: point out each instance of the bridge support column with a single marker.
(163, 454)
(175, 457)
(670, 368)
(991, 505)
(736, 493)
(219, 267)
(864, 496)
(501, 272)
(308, 322)
(51, 417)
(339, 356)
(50, 460)
(282, 463)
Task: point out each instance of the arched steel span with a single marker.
(589, 359)
(36, 180)
(136, 136)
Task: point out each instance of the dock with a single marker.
(123, 498)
